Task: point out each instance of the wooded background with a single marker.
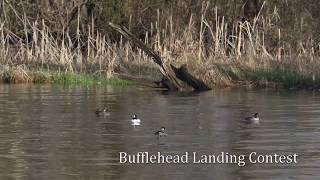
(297, 19)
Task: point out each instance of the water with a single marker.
(51, 132)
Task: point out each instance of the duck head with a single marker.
(134, 116)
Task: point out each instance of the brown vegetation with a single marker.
(221, 42)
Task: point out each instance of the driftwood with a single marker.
(171, 74)
(183, 74)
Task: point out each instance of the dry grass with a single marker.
(219, 53)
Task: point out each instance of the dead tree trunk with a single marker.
(183, 74)
(171, 74)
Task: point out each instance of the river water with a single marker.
(51, 132)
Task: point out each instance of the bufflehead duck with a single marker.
(254, 118)
(135, 120)
(103, 112)
(161, 132)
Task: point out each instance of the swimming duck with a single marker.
(161, 132)
(135, 120)
(254, 118)
(103, 112)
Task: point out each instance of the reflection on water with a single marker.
(52, 132)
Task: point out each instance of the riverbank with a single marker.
(236, 73)
(220, 57)
(118, 69)
(261, 72)
(21, 74)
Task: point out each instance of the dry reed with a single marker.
(219, 53)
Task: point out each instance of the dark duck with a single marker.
(102, 112)
(254, 118)
(161, 132)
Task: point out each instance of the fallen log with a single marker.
(183, 74)
(171, 74)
